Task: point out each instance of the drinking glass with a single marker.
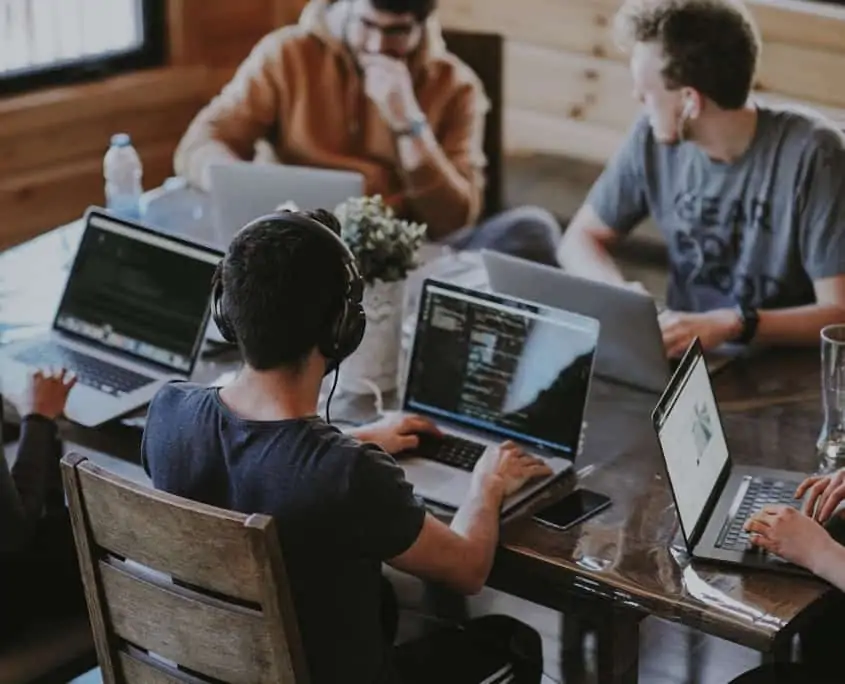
(831, 442)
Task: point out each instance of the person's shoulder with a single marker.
(808, 128)
(451, 73)
(283, 43)
(175, 396)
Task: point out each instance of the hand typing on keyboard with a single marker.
(46, 393)
(396, 433)
(508, 466)
(823, 494)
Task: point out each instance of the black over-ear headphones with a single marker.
(345, 328)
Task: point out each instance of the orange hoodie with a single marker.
(301, 89)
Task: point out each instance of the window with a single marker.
(51, 42)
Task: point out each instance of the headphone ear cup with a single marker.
(217, 314)
(345, 335)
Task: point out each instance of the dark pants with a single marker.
(527, 232)
(494, 649)
(789, 673)
(42, 582)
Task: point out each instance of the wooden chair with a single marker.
(179, 591)
(483, 53)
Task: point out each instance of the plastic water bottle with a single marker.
(122, 171)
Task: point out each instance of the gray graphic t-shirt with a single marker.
(758, 230)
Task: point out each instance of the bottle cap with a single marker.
(121, 140)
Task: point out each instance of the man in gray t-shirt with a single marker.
(750, 199)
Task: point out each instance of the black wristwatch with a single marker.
(750, 317)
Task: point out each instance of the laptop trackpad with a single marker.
(428, 477)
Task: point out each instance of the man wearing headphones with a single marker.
(750, 198)
(289, 294)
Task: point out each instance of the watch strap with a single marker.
(414, 129)
(750, 318)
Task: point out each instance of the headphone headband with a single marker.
(345, 328)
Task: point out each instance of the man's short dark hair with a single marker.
(710, 45)
(281, 290)
(419, 8)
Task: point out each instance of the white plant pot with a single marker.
(376, 361)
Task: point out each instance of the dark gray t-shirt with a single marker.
(341, 508)
(759, 230)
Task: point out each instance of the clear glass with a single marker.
(831, 442)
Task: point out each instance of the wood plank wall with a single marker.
(567, 88)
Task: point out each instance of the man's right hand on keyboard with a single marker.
(510, 465)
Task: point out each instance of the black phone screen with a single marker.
(573, 508)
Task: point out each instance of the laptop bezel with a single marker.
(99, 212)
(505, 300)
(693, 354)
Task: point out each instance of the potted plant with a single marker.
(385, 248)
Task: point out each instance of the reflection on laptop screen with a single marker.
(138, 293)
(693, 444)
(516, 369)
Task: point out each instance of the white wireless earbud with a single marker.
(688, 105)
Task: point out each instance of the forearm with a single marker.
(583, 255)
(829, 564)
(797, 326)
(477, 521)
(38, 445)
(197, 152)
(441, 197)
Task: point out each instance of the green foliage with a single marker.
(384, 245)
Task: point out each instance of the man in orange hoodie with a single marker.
(369, 86)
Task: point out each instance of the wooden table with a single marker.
(619, 567)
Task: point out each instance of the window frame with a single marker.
(150, 53)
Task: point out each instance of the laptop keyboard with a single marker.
(89, 370)
(761, 492)
(450, 450)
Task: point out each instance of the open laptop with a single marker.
(243, 191)
(488, 368)
(631, 349)
(714, 497)
(132, 316)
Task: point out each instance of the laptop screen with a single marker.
(138, 292)
(692, 439)
(511, 368)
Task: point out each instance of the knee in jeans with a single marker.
(534, 220)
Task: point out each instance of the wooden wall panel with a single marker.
(561, 63)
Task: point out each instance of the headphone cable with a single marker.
(331, 394)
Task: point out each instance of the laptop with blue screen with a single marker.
(487, 368)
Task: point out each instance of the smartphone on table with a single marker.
(574, 508)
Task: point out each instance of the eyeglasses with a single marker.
(399, 33)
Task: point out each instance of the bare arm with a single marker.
(462, 554)
(802, 325)
(584, 249)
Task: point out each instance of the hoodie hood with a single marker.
(432, 46)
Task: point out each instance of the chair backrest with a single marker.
(483, 53)
(178, 591)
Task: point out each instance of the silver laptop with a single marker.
(243, 191)
(488, 368)
(132, 316)
(714, 497)
(631, 349)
